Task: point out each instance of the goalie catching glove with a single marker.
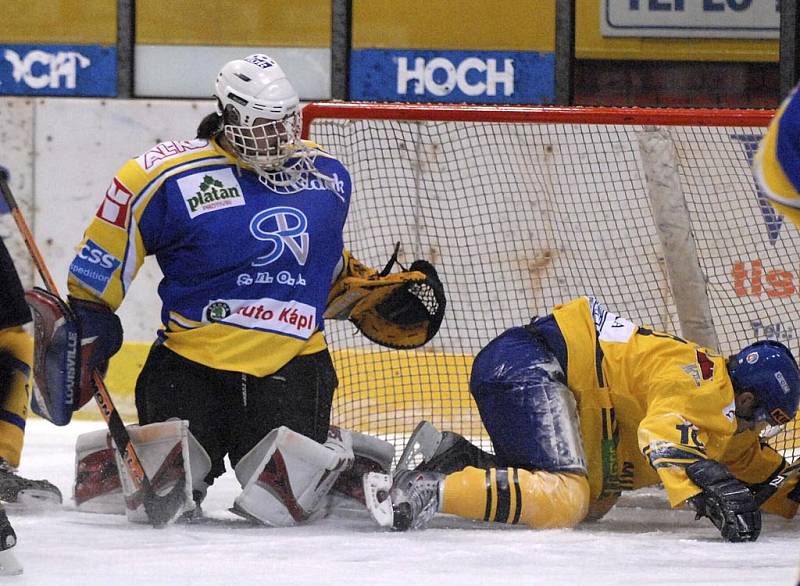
(402, 310)
(70, 343)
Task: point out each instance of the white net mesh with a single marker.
(519, 217)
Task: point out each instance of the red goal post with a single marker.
(654, 211)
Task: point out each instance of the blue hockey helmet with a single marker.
(769, 371)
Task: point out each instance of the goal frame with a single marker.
(532, 114)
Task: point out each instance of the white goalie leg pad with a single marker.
(286, 477)
(97, 488)
(371, 454)
(98, 484)
(168, 452)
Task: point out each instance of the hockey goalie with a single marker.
(246, 222)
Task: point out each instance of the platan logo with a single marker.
(39, 69)
(440, 76)
(211, 191)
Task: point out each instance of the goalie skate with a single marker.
(16, 489)
(376, 497)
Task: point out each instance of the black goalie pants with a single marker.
(230, 412)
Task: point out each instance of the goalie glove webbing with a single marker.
(401, 310)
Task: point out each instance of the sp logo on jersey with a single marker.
(282, 227)
(210, 191)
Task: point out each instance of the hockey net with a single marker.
(523, 208)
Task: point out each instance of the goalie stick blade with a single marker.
(9, 564)
(163, 509)
(420, 448)
(376, 497)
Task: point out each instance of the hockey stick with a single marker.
(160, 509)
(765, 493)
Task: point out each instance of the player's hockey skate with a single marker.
(420, 448)
(411, 502)
(9, 565)
(430, 450)
(16, 489)
(415, 499)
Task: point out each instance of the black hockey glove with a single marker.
(727, 501)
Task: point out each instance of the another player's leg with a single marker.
(16, 358)
(531, 417)
(16, 355)
(428, 449)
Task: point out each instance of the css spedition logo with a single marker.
(440, 76)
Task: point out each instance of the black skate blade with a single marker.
(38, 498)
(33, 502)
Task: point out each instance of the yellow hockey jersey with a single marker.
(650, 403)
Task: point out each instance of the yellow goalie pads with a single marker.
(401, 310)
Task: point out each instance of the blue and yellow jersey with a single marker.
(776, 165)
(246, 270)
(651, 403)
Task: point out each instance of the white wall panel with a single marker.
(80, 144)
(16, 138)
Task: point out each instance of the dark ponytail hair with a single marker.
(210, 126)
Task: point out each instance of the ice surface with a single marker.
(639, 542)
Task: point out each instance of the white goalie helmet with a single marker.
(260, 111)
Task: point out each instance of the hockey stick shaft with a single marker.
(158, 509)
(776, 482)
(27, 236)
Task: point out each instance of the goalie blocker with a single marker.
(70, 342)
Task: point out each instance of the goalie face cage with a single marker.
(521, 208)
